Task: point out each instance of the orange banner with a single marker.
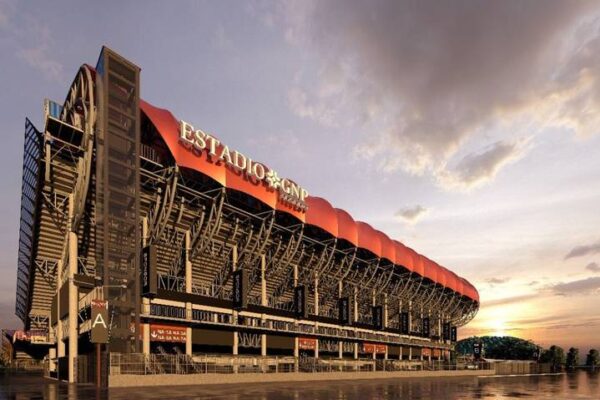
(374, 348)
(307, 343)
(167, 333)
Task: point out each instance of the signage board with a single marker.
(200, 142)
(404, 323)
(371, 348)
(377, 317)
(148, 271)
(307, 343)
(240, 289)
(168, 333)
(477, 350)
(344, 310)
(100, 321)
(425, 327)
(453, 334)
(300, 302)
(446, 331)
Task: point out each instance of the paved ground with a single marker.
(581, 385)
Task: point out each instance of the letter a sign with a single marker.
(99, 321)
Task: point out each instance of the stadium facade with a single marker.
(199, 249)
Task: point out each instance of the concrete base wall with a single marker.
(212, 379)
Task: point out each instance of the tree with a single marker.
(500, 347)
(555, 356)
(572, 357)
(593, 358)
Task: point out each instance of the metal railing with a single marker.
(156, 364)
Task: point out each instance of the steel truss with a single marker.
(216, 227)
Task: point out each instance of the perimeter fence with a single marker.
(156, 364)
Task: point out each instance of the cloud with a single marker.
(479, 167)
(412, 214)
(584, 250)
(593, 266)
(428, 81)
(582, 286)
(497, 281)
(509, 300)
(40, 55)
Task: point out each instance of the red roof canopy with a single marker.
(320, 212)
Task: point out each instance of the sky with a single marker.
(469, 130)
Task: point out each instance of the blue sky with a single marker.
(469, 130)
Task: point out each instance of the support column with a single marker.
(316, 295)
(385, 311)
(400, 357)
(145, 300)
(340, 343)
(316, 313)
(374, 303)
(188, 289)
(296, 341)
(355, 305)
(263, 302)
(410, 327)
(60, 344)
(72, 247)
(234, 258)
(410, 352)
(73, 306)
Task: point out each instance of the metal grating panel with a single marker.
(29, 213)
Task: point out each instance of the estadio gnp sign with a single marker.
(199, 141)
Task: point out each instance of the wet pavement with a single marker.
(578, 385)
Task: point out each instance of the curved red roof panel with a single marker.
(431, 269)
(460, 286)
(418, 264)
(292, 210)
(368, 238)
(388, 249)
(442, 277)
(240, 181)
(347, 228)
(322, 214)
(403, 256)
(168, 127)
(451, 281)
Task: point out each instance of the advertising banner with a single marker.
(240, 288)
(446, 331)
(307, 343)
(371, 348)
(377, 315)
(300, 303)
(453, 334)
(148, 271)
(167, 333)
(425, 327)
(404, 325)
(344, 310)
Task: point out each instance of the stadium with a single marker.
(144, 240)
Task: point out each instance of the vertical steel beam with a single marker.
(73, 305)
(188, 289)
